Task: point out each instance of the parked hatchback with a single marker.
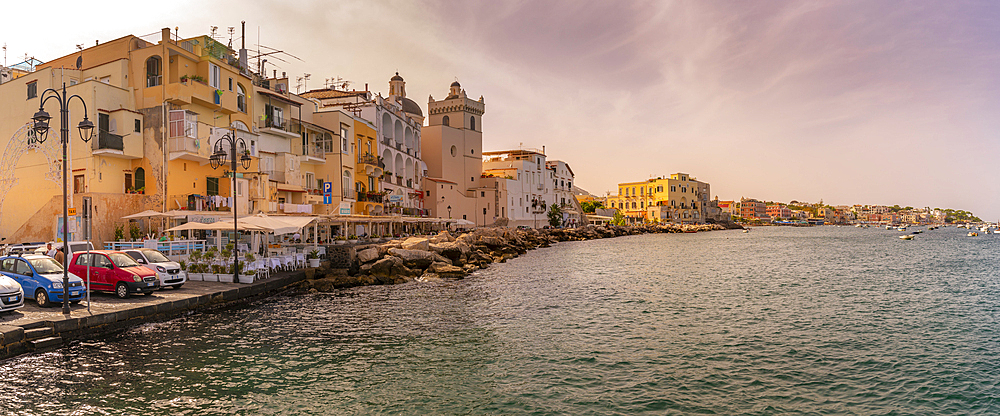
(41, 277)
(115, 271)
(11, 295)
(169, 272)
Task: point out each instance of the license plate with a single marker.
(74, 293)
(12, 299)
(149, 284)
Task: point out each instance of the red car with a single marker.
(114, 271)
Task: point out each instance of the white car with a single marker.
(169, 272)
(11, 295)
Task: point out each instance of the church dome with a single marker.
(396, 77)
(456, 84)
(409, 106)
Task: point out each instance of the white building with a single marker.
(529, 190)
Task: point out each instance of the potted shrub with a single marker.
(134, 232)
(194, 268)
(314, 258)
(352, 239)
(248, 276)
(119, 232)
(339, 239)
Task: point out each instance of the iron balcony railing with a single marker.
(375, 197)
(368, 159)
(282, 125)
(106, 140)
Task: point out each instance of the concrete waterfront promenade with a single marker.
(32, 328)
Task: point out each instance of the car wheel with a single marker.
(42, 298)
(177, 286)
(121, 290)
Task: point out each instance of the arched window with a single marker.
(472, 123)
(241, 98)
(140, 179)
(446, 121)
(347, 185)
(154, 76)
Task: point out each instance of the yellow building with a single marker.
(368, 170)
(159, 106)
(679, 198)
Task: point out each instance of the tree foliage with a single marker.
(555, 215)
(590, 207)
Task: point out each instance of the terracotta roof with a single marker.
(328, 93)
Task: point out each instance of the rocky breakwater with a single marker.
(444, 256)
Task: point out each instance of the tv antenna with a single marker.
(337, 82)
(214, 30)
(302, 81)
(232, 29)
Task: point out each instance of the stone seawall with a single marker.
(444, 256)
(53, 330)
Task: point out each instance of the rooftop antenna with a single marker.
(5, 54)
(214, 30)
(79, 46)
(232, 29)
(306, 79)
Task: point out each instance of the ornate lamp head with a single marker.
(86, 128)
(41, 126)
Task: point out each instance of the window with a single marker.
(140, 179)
(32, 89)
(183, 124)
(454, 151)
(327, 143)
(230, 84)
(446, 121)
(154, 75)
(343, 140)
(241, 97)
(214, 76)
(472, 123)
(138, 126)
(482, 194)
(212, 186)
(78, 184)
(128, 182)
(347, 184)
(673, 188)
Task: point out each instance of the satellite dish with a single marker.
(79, 61)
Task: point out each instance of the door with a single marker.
(102, 272)
(26, 278)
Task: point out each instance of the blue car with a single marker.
(41, 278)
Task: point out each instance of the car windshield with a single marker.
(46, 265)
(155, 256)
(122, 260)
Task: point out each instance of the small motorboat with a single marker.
(906, 237)
(973, 234)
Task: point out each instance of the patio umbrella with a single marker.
(217, 226)
(464, 222)
(147, 214)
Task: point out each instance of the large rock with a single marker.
(368, 254)
(418, 259)
(446, 270)
(384, 266)
(416, 243)
(454, 251)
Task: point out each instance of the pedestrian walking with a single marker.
(60, 257)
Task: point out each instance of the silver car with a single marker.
(11, 295)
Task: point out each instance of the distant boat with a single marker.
(906, 237)
(973, 234)
(888, 227)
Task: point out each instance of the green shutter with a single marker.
(213, 186)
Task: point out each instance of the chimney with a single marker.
(243, 47)
(283, 73)
(543, 149)
(165, 35)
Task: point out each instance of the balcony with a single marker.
(373, 164)
(113, 145)
(350, 194)
(375, 197)
(313, 154)
(275, 175)
(279, 127)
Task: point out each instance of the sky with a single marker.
(848, 102)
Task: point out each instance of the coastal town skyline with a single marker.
(777, 102)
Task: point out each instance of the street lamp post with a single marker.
(218, 158)
(41, 129)
(535, 205)
(449, 212)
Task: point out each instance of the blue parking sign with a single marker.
(327, 199)
(327, 188)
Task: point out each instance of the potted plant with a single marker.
(119, 232)
(184, 78)
(194, 270)
(134, 232)
(352, 239)
(339, 239)
(314, 258)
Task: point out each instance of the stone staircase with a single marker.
(41, 337)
